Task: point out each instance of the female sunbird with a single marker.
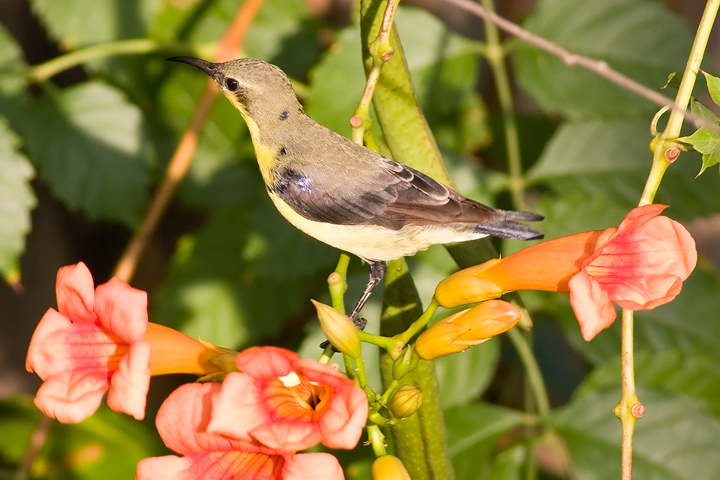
(342, 193)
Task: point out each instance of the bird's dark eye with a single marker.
(231, 84)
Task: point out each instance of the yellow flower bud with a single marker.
(466, 287)
(462, 330)
(406, 401)
(339, 330)
(389, 467)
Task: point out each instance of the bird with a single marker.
(342, 193)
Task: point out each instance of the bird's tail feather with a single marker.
(508, 226)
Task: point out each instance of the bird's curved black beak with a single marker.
(208, 67)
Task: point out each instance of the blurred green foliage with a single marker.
(244, 276)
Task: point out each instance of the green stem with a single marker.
(666, 139)
(420, 440)
(360, 369)
(326, 355)
(629, 409)
(495, 55)
(420, 323)
(388, 344)
(377, 440)
(392, 388)
(532, 370)
(337, 282)
(45, 71)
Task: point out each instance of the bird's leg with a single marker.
(377, 272)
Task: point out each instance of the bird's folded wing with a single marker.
(392, 195)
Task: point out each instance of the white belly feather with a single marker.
(372, 242)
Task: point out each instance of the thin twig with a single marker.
(181, 159)
(381, 53)
(37, 440)
(569, 58)
(46, 70)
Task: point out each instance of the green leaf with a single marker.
(89, 150)
(508, 465)
(337, 83)
(709, 160)
(675, 439)
(608, 160)
(81, 22)
(13, 78)
(16, 201)
(464, 376)
(12, 64)
(284, 33)
(673, 81)
(444, 71)
(631, 37)
(713, 84)
(473, 433)
(703, 140)
(707, 143)
(107, 445)
(694, 375)
(242, 277)
(444, 74)
(703, 112)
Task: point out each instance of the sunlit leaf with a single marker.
(16, 201)
(632, 37)
(242, 277)
(82, 22)
(90, 151)
(713, 84)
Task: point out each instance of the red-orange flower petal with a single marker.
(640, 266)
(78, 350)
(182, 423)
(287, 403)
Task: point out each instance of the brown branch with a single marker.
(599, 67)
(181, 159)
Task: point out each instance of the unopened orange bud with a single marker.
(389, 467)
(466, 286)
(406, 401)
(175, 352)
(462, 330)
(339, 330)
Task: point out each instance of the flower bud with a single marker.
(405, 363)
(466, 287)
(339, 330)
(464, 329)
(389, 467)
(406, 401)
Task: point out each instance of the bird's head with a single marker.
(260, 91)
